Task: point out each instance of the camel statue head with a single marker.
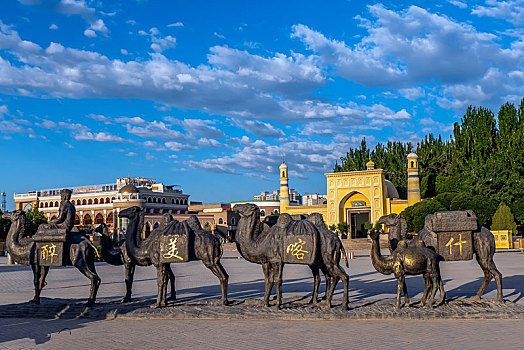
(130, 212)
(245, 210)
(373, 233)
(390, 220)
(14, 215)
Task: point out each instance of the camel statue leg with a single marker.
(427, 282)
(277, 274)
(332, 291)
(328, 284)
(268, 279)
(315, 269)
(171, 278)
(43, 275)
(84, 262)
(434, 286)
(129, 275)
(160, 281)
(442, 291)
(36, 282)
(400, 287)
(219, 271)
(406, 297)
(490, 270)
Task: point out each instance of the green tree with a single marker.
(343, 228)
(416, 214)
(4, 227)
(332, 228)
(503, 219)
(34, 218)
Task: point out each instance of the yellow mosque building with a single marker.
(357, 197)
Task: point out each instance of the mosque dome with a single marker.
(129, 188)
(391, 191)
(412, 155)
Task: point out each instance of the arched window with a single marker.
(147, 229)
(56, 204)
(77, 220)
(172, 201)
(73, 202)
(163, 200)
(53, 217)
(99, 219)
(275, 211)
(41, 204)
(101, 201)
(109, 219)
(149, 199)
(95, 201)
(220, 221)
(262, 213)
(108, 200)
(46, 205)
(112, 199)
(90, 201)
(87, 219)
(412, 164)
(185, 201)
(84, 202)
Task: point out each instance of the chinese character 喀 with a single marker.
(296, 249)
(48, 251)
(460, 242)
(173, 250)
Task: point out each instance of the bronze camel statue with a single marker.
(22, 250)
(409, 260)
(483, 248)
(267, 248)
(116, 254)
(203, 246)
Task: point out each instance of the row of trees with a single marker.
(33, 218)
(479, 168)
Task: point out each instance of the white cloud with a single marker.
(4, 109)
(412, 93)
(259, 128)
(511, 11)
(155, 129)
(89, 33)
(124, 52)
(177, 146)
(99, 117)
(97, 136)
(132, 120)
(202, 128)
(47, 124)
(149, 156)
(53, 27)
(176, 24)
(158, 43)
(219, 35)
(459, 3)
(131, 154)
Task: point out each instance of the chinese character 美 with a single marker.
(460, 242)
(48, 251)
(296, 249)
(173, 250)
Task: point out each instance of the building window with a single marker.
(220, 221)
(56, 204)
(108, 200)
(412, 164)
(90, 201)
(84, 202)
(262, 213)
(112, 199)
(87, 219)
(77, 220)
(163, 200)
(46, 205)
(99, 219)
(53, 217)
(185, 201)
(41, 204)
(149, 199)
(109, 219)
(95, 201)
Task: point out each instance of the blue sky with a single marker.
(210, 95)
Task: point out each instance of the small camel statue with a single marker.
(22, 250)
(409, 260)
(202, 246)
(483, 248)
(116, 254)
(266, 248)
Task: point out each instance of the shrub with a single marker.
(503, 219)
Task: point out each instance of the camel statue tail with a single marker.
(344, 254)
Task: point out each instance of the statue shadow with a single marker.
(37, 329)
(515, 282)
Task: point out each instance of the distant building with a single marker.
(96, 204)
(224, 219)
(314, 199)
(295, 198)
(267, 207)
